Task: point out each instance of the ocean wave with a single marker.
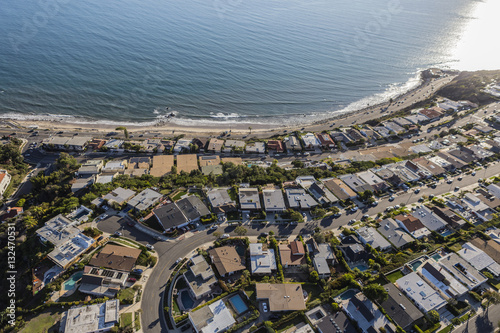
(165, 116)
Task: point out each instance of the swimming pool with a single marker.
(436, 257)
(238, 304)
(416, 264)
(186, 300)
(70, 283)
(361, 267)
(348, 294)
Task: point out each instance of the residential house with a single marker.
(354, 252)
(119, 195)
(273, 200)
(100, 317)
(114, 145)
(479, 259)
(182, 145)
(412, 225)
(96, 144)
(433, 114)
(141, 162)
(455, 221)
(256, 147)
(325, 140)
(393, 127)
(368, 235)
(400, 309)
(354, 134)
(298, 198)
(417, 118)
(69, 243)
(422, 295)
(209, 160)
(215, 145)
(490, 200)
(4, 181)
(355, 183)
(334, 323)
(393, 233)
(262, 259)
(403, 173)
(443, 163)
(281, 297)
(187, 163)
(114, 166)
(221, 201)
(276, 146)
(162, 165)
(116, 257)
(102, 282)
(366, 314)
(463, 155)
(201, 143)
(494, 190)
(373, 180)
(383, 131)
(478, 152)
(441, 280)
(310, 141)
(181, 213)
(491, 247)
(340, 136)
(402, 121)
(339, 188)
(417, 169)
(144, 200)
(226, 260)
(461, 270)
(479, 208)
(321, 193)
(234, 145)
(323, 257)
(430, 220)
(430, 166)
(292, 143)
(249, 199)
(213, 318)
(453, 162)
(292, 254)
(200, 277)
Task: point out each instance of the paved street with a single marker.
(168, 252)
(486, 322)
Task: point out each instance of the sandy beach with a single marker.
(240, 130)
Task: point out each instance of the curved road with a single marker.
(169, 252)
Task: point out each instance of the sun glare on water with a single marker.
(479, 47)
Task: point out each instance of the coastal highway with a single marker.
(168, 252)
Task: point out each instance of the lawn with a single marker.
(178, 195)
(126, 296)
(126, 319)
(394, 276)
(137, 320)
(294, 321)
(447, 329)
(44, 322)
(250, 291)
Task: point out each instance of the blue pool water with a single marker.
(416, 264)
(186, 299)
(348, 294)
(238, 304)
(436, 257)
(70, 283)
(361, 267)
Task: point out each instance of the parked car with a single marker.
(460, 178)
(449, 181)
(178, 260)
(150, 247)
(264, 307)
(397, 207)
(374, 203)
(225, 236)
(130, 223)
(366, 216)
(117, 233)
(391, 198)
(213, 227)
(473, 173)
(103, 216)
(417, 191)
(137, 271)
(351, 222)
(132, 279)
(457, 188)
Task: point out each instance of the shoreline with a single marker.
(425, 88)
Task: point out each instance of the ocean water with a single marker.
(256, 61)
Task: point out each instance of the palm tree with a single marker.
(124, 129)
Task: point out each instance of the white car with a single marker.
(225, 236)
(264, 307)
(150, 247)
(117, 233)
(215, 226)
